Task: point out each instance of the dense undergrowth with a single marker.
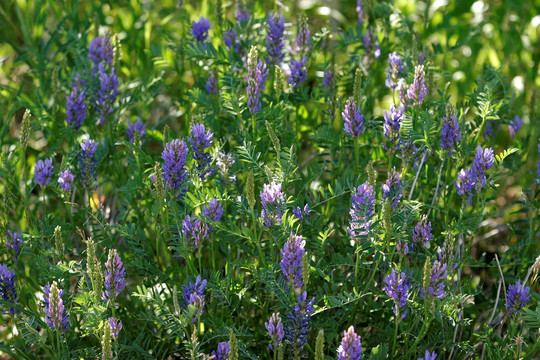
(260, 180)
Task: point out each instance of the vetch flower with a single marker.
(200, 29)
(212, 84)
(360, 13)
(137, 126)
(483, 161)
(174, 172)
(392, 188)
(14, 242)
(115, 276)
(362, 209)
(193, 294)
(7, 288)
(297, 329)
(429, 356)
(274, 39)
(397, 286)
(299, 213)
(242, 14)
(395, 68)
(107, 91)
(275, 331)
(515, 124)
(517, 296)
(418, 89)
(256, 78)
(351, 346)
(87, 163)
(273, 204)
(231, 40)
(43, 171)
(353, 118)
(328, 80)
(303, 39)
(194, 231)
(200, 140)
(371, 44)
(76, 107)
(392, 124)
(101, 50)
(55, 312)
(223, 351)
(65, 179)
(422, 231)
(213, 211)
(291, 263)
(116, 326)
(436, 285)
(450, 133)
(298, 72)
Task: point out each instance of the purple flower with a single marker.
(397, 286)
(193, 294)
(132, 127)
(212, 84)
(450, 133)
(517, 296)
(392, 188)
(438, 276)
(7, 288)
(351, 346)
(66, 180)
(14, 242)
(328, 80)
(115, 276)
(402, 89)
(303, 38)
(200, 29)
(429, 356)
(402, 246)
(231, 40)
(107, 91)
(55, 312)
(422, 231)
(274, 39)
(223, 350)
(256, 77)
(515, 124)
(116, 326)
(421, 58)
(297, 329)
(362, 209)
(194, 230)
(201, 139)
(87, 163)
(418, 89)
(242, 14)
(214, 210)
(299, 213)
(491, 128)
(291, 263)
(392, 124)
(371, 44)
(101, 50)
(273, 204)
(198, 287)
(174, 172)
(76, 107)
(394, 70)
(353, 118)
(275, 331)
(360, 13)
(43, 171)
(298, 72)
(483, 161)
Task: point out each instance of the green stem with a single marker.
(394, 339)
